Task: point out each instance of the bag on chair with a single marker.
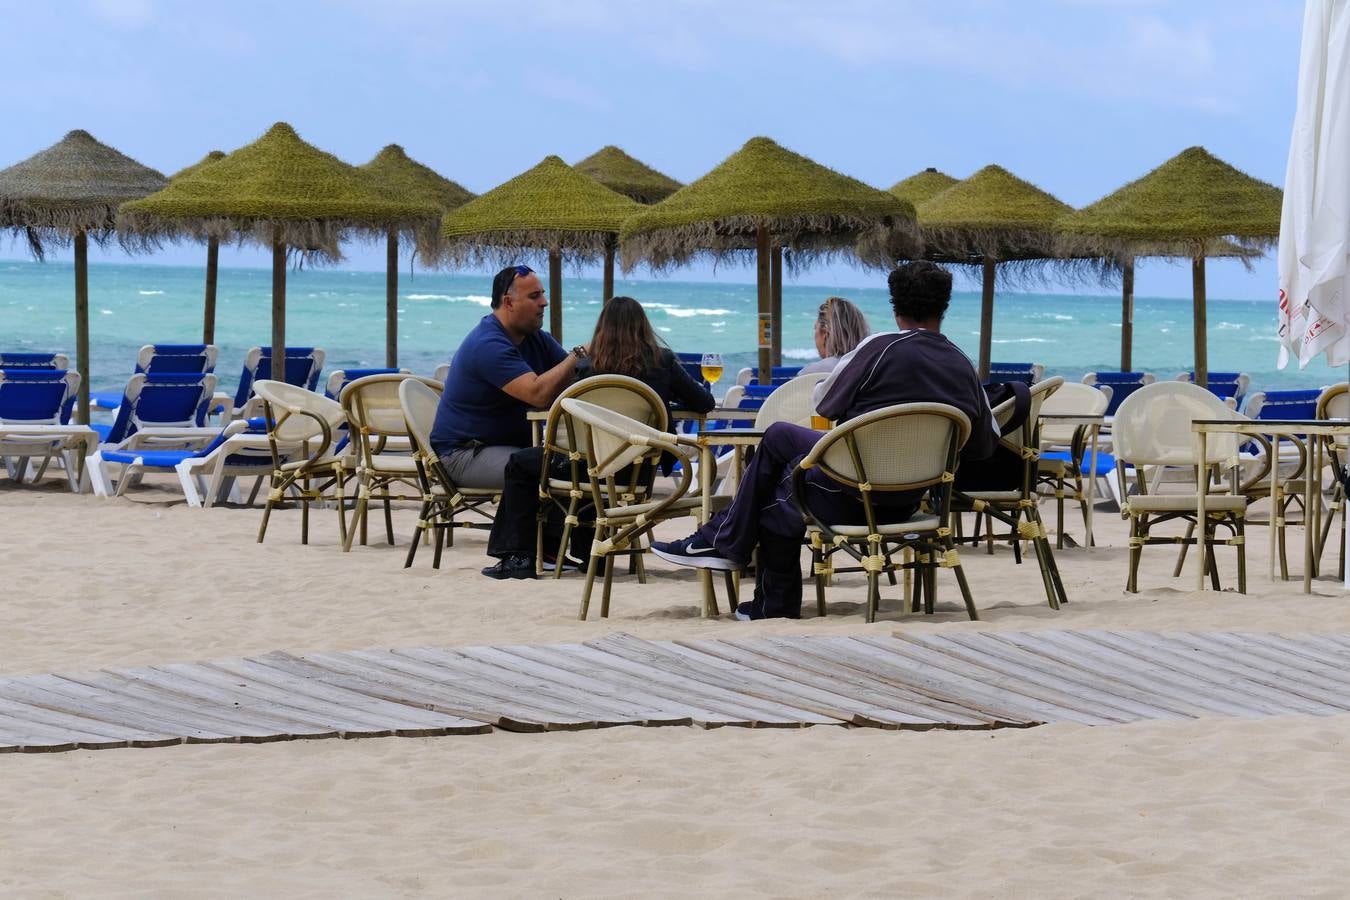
(1003, 469)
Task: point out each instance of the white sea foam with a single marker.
(682, 312)
(105, 312)
(150, 293)
(663, 329)
(480, 299)
(801, 353)
(1023, 341)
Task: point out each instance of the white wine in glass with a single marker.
(712, 367)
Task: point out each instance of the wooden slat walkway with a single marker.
(967, 679)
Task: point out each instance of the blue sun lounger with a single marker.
(35, 406)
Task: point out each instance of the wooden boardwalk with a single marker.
(966, 679)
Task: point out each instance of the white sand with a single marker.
(1156, 809)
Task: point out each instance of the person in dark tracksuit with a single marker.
(915, 364)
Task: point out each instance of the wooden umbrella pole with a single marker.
(776, 279)
(1127, 315)
(767, 325)
(607, 286)
(82, 321)
(278, 306)
(209, 303)
(555, 293)
(986, 318)
(391, 299)
(1201, 328)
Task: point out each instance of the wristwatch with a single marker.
(583, 363)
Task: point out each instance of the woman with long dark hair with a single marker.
(624, 343)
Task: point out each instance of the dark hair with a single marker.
(502, 282)
(920, 290)
(624, 342)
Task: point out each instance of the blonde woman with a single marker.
(840, 326)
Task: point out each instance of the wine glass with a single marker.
(711, 367)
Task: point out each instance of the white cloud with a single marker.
(126, 13)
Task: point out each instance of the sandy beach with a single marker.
(1156, 809)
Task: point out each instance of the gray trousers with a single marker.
(478, 467)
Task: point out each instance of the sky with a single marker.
(1076, 96)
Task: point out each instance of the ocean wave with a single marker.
(1023, 341)
(1231, 325)
(801, 353)
(682, 312)
(480, 299)
(151, 293)
(105, 312)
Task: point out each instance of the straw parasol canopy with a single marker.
(760, 196)
(1186, 207)
(212, 254)
(633, 178)
(398, 176)
(278, 192)
(67, 194)
(990, 219)
(922, 186)
(551, 210)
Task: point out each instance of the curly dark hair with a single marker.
(920, 290)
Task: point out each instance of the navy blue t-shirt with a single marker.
(474, 407)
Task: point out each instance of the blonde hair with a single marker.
(845, 325)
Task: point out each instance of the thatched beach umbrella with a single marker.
(277, 192)
(634, 179)
(991, 219)
(69, 193)
(922, 186)
(551, 210)
(1185, 207)
(399, 177)
(212, 256)
(761, 195)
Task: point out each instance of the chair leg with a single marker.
(304, 512)
(1185, 545)
(965, 592)
(608, 586)
(590, 581)
(1137, 535)
(818, 559)
(733, 593)
(873, 596)
(443, 532)
(388, 519)
(417, 533)
(267, 509)
(1211, 538)
(1240, 527)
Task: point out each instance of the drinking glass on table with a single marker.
(712, 367)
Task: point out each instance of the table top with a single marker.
(1272, 426)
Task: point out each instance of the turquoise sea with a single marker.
(343, 312)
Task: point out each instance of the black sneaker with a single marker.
(693, 551)
(568, 564)
(746, 612)
(512, 567)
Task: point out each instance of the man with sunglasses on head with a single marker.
(505, 366)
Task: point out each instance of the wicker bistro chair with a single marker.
(1335, 404)
(613, 446)
(1018, 508)
(908, 447)
(1066, 444)
(442, 499)
(379, 450)
(1152, 429)
(302, 434)
(572, 495)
